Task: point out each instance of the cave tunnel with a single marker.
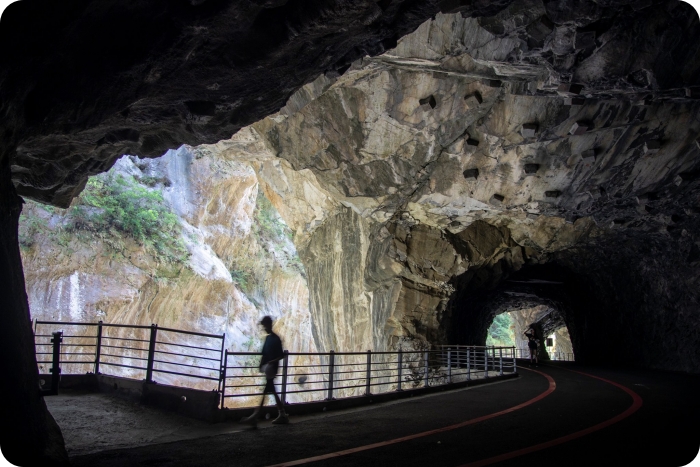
(439, 162)
(605, 309)
(538, 295)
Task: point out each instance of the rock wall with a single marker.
(235, 271)
(450, 164)
(554, 110)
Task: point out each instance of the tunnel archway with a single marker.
(507, 329)
(537, 291)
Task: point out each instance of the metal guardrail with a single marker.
(133, 351)
(333, 375)
(556, 356)
(140, 352)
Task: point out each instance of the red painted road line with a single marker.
(636, 404)
(552, 386)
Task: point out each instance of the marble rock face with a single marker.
(392, 202)
(525, 141)
(367, 163)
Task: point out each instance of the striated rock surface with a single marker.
(440, 183)
(570, 127)
(240, 263)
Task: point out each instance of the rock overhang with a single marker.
(525, 120)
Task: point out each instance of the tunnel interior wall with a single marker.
(625, 301)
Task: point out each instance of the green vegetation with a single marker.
(119, 206)
(112, 208)
(243, 278)
(268, 223)
(30, 224)
(501, 331)
(268, 249)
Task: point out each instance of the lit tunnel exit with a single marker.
(508, 330)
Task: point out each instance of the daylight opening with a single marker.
(508, 329)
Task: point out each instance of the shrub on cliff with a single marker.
(117, 205)
(500, 332)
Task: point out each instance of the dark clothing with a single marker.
(272, 350)
(531, 341)
(269, 386)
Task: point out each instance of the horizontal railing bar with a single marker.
(185, 364)
(78, 362)
(123, 357)
(69, 323)
(75, 353)
(104, 337)
(256, 394)
(186, 355)
(122, 365)
(244, 386)
(189, 346)
(155, 370)
(74, 336)
(301, 391)
(126, 348)
(192, 333)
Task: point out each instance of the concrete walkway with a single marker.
(549, 416)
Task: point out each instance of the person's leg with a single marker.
(253, 418)
(282, 418)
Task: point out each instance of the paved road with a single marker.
(556, 414)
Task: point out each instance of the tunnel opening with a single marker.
(508, 330)
(501, 304)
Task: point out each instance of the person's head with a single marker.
(266, 322)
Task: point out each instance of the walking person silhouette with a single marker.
(272, 353)
(532, 344)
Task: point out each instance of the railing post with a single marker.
(398, 387)
(469, 368)
(449, 366)
(98, 347)
(56, 362)
(222, 358)
(368, 376)
(500, 361)
(331, 365)
(151, 353)
(425, 362)
(515, 364)
(223, 379)
(285, 363)
(486, 362)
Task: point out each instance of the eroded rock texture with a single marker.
(464, 180)
(506, 142)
